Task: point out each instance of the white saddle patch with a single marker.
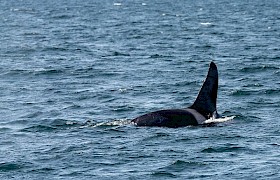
(199, 117)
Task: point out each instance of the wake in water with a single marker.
(124, 122)
(219, 120)
(121, 122)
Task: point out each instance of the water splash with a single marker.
(121, 122)
(219, 120)
(117, 4)
(206, 23)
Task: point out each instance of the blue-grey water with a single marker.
(73, 73)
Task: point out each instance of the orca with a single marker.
(203, 108)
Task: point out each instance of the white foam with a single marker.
(218, 120)
(117, 4)
(121, 122)
(206, 24)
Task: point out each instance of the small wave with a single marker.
(121, 122)
(5, 129)
(39, 71)
(42, 170)
(39, 128)
(241, 92)
(155, 56)
(272, 91)
(55, 49)
(116, 53)
(117, 4)
(253, 69)
(58, 124)
(18, 72)
(244, 92)
(122, 108)
(206, 24)
(253, 85)
(63, 16)
(48, 71)
(24, 10)
(156, 136)
(13, 126)
(164, 174)
(219, 120)
(180, 165)
(62, 123)
(10, 167)
(274, 144)
(224, 149)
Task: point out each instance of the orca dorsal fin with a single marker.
(206, 100)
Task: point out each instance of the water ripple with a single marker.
(73, 73)
(228, 148)
(7, 167)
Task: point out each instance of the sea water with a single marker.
(73, 73)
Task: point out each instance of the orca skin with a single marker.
(202, 109)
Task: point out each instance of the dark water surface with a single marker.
(74, 72)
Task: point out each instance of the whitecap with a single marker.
(219, 120)
(121, 122)
(206, 24)
(117, 4)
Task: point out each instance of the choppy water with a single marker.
(74, 72)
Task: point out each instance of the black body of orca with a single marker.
(202, 109)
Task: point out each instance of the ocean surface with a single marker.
(74, 73)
